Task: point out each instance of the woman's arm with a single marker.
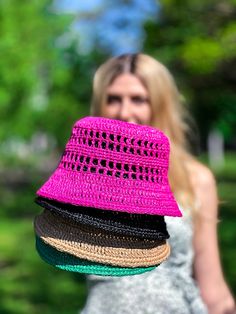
(207, 267)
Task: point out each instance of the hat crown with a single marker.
(146, 132)
(117, 149)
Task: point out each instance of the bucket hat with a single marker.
(138, 225)
(114, 165)
(71, 263)
(96, 245)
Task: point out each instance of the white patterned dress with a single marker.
(169, 289)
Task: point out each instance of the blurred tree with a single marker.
(27, 51)
(70, 91)
(43, 85)
(196, 39)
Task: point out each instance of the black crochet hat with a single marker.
(138, 225)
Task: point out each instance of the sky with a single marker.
(114, 26)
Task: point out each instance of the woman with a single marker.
(138, 89)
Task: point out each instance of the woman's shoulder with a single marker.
(204, 187)
(200, 174)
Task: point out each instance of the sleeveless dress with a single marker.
(169, 289)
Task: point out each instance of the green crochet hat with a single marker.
(71, 263)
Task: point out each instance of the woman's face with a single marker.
(127, 99)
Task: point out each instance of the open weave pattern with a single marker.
(114, 165)
(143, 226)
(99, 246)
(71, 263)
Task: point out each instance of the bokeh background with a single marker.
(49, 51)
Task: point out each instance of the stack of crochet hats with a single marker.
(104, 205)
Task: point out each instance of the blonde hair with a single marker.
(168, 113)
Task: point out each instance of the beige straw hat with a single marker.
(96, 245)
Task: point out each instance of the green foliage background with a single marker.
(45, 88)
(196, 40)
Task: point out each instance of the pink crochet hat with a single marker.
(114, 165)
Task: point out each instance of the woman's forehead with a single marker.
(127, 83)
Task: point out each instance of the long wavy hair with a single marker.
(168, 113)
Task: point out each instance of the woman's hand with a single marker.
(224, 305)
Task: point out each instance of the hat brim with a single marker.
(99, 246)
(71, 263)
(109, 193)
(143, 226)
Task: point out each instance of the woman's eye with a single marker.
(139, 100)
(111, 99)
